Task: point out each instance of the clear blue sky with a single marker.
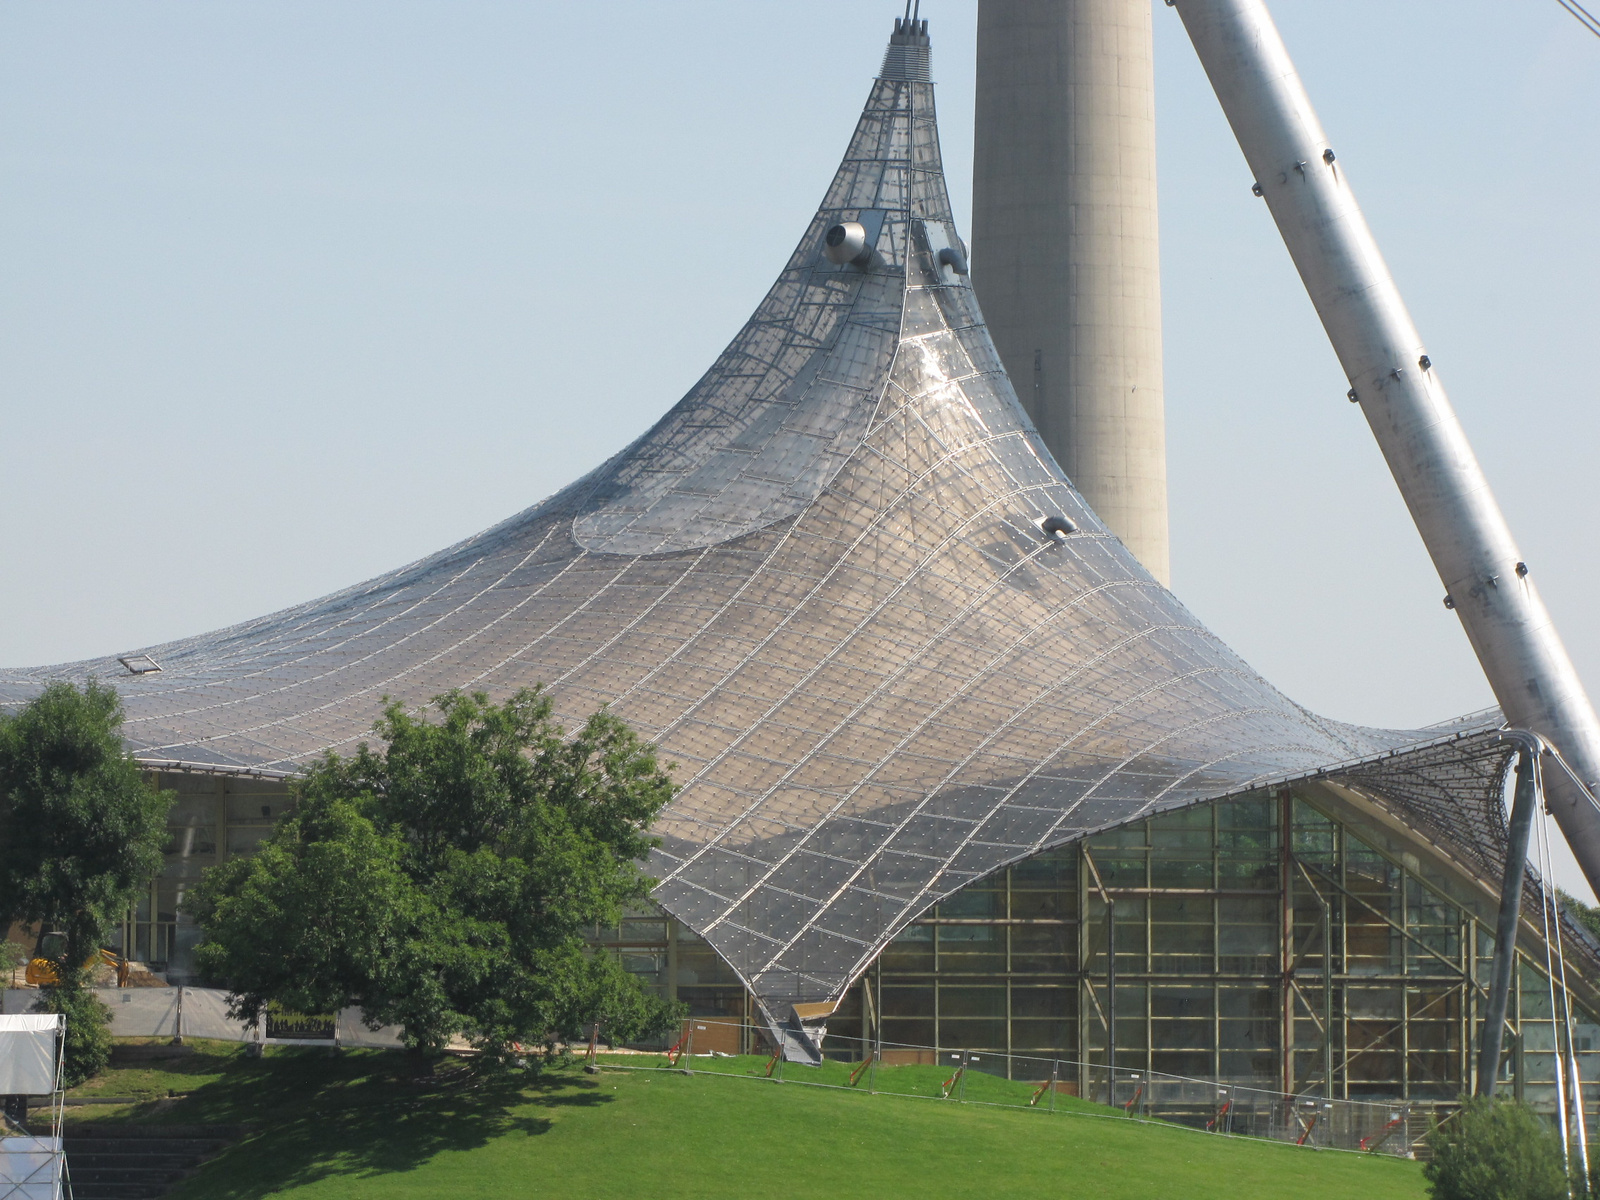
(295, 292)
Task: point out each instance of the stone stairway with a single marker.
(135, 1162)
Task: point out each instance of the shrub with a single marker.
(88, 1049)
(1495, 1150)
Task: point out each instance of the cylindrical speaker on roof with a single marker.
(846, 243)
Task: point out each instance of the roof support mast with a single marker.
(1400, 392)
(1066, 245)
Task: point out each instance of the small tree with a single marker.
(1495, 1150)
(87, 1051)
(80, 832)
(444, 883)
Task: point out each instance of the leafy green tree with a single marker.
(1495, 1150)
(443, 883)
(81, 831)
(80, 828)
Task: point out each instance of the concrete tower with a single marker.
(1065, 254)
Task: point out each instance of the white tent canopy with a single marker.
(28, 1053)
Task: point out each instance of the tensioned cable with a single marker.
(1574, 1078)
(1584, 17)
(1546, 900)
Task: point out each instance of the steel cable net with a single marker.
(822, 586)
(1451, 793)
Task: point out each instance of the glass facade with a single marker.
(674, 962)
(1270, 941)
(213, 818)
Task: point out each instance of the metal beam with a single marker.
(1523, 807)
(1111, 979)
(1377, 912)
(1327, 980)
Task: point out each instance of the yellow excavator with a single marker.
(41, 970)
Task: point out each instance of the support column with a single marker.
(1111, 978)
(1523, 808)
(1065, 245)
(1286, 942)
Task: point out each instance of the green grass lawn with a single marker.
(358, 1126)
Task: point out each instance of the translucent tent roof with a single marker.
(822, 583)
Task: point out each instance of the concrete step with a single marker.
(138, 1162)
(151, 1133)
(153, 1146)
(118, 1191)
(160, 1173)
(118, 1162)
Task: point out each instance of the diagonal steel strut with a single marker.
(1395, 382)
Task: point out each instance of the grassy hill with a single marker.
(358, 1126)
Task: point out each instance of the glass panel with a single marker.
(699, 964)
(650, 966)
(1054, 870)
(1248, 1034)
(713, 1002)
(1313, 838)
(972, 949)
(1120, 869)
(247, 840)
(986, 902)
(1032, 1035)
(907, 1002)
(1374, 902)
(972, 1002)
(903, 1032)
(648, 931)
(1247, 935)
(1175, 869)
(1044, 905)
(911, 950)
(258, 809)
(1181, 933)
(1044, 949)
(1182, 1018)
(188, 841)
(972, 1034)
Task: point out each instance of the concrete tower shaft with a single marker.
(1066, 246)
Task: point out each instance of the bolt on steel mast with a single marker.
(1399, 390)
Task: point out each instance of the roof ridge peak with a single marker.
(909, 55)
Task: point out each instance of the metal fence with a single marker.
(203, 1013)
(1043, 1084)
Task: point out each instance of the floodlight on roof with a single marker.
(1056, 527)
